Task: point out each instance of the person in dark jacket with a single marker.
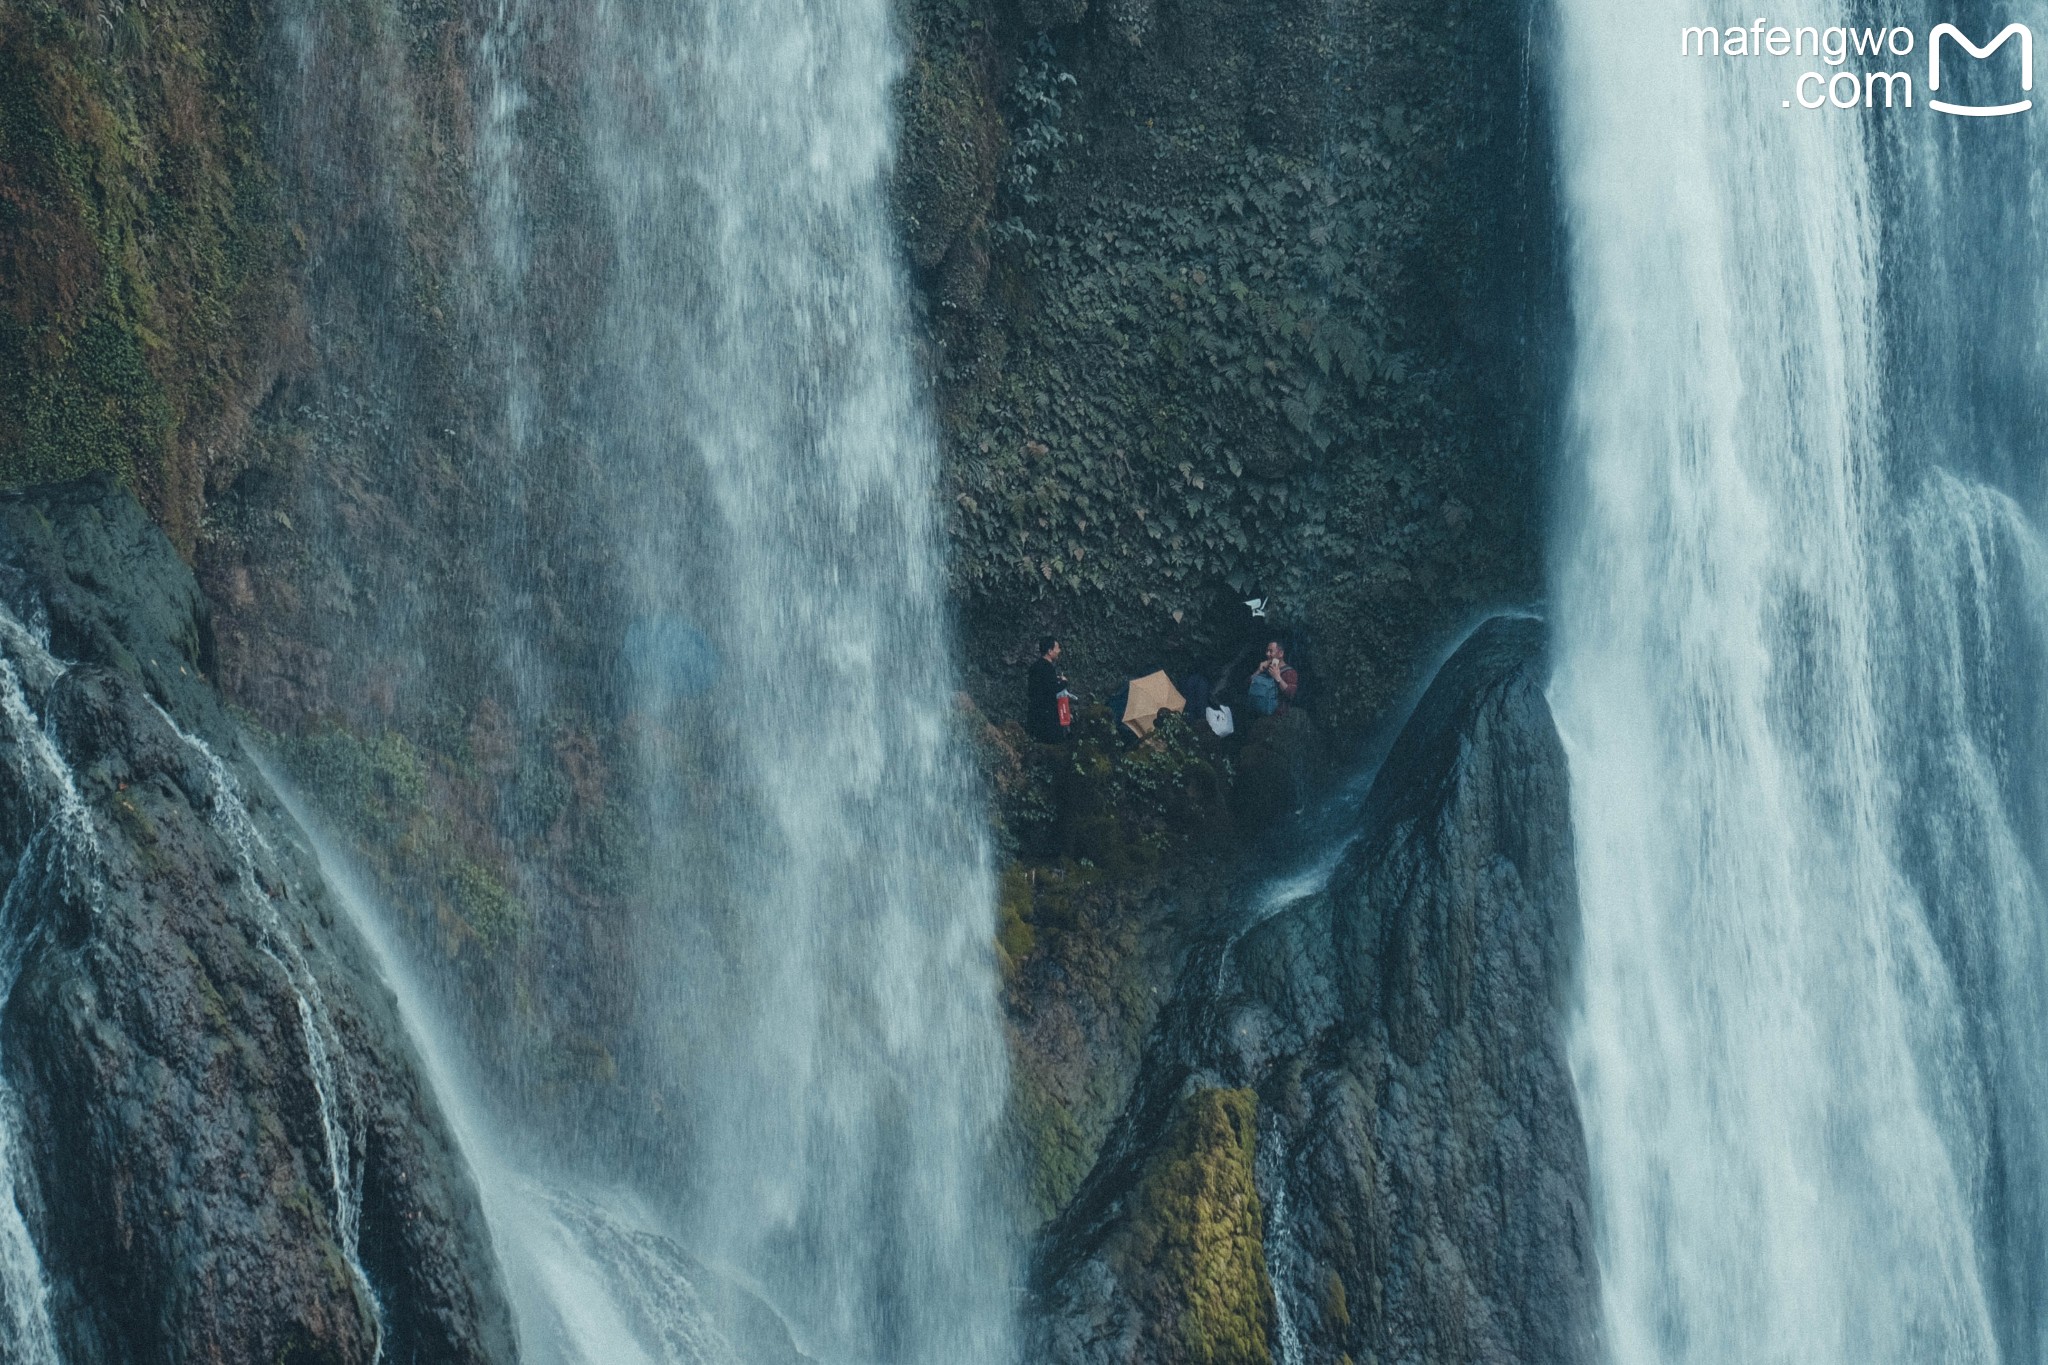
(1042, 694)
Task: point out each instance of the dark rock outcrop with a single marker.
(1224, 294)
(229, 1153)
(1422, 1180)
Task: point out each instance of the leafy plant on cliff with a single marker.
(1035, 146)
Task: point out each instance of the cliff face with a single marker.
(143, 290)
(1384, 1055)
(1217, 296)
(225, 1149)
(1230, 298)
(1221, 297)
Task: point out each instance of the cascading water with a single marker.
(60, 846)
(710, 480)
(341, 1119)
(826, 976)
(591, 1285)
(1799, 630)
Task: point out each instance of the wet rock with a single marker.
(230, 1154)
(1420, 1161)
(1045, 14)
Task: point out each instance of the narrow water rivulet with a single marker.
(1799, 600)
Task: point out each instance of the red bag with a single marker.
(1066, 710)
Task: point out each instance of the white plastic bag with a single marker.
(1221, 722)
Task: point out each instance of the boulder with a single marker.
(225, 1148)
(1396, 1037)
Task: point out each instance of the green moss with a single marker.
(94, 407)
(608, 858)
(139, 828)
(1057, 1152)
(139, 242)
(1194, 1248)
(212, 1003)
(1014, 934)
(491, 912)
(1336, 1305)
(1081, 1003)
(377, 784)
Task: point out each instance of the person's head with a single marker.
(1276, 651)
(1049, 648)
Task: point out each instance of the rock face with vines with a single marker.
(1229, 299)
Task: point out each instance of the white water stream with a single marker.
(61, 846)
(589, 1282)
(824, 978)
(1798, 683)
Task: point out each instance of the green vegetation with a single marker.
(140, 245)
(381, 789)
(1336, 1305)
(1125, 807)
(486, 908)
(1194, 1249)
(1015, 936)
(1057, 1152)
(504, 842)
(1080, 1001)
(377, 784)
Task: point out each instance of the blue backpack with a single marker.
(1265, 694)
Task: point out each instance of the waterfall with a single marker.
(587, 1288)
(59, 844)
(341, 1116)
(823, 975)
(1800, 623)
(697, 514)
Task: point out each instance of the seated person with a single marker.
(1274, 684)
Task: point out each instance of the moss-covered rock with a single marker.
(1193, 1251)
(180, 1189)
(1401, 1029)
(141, 247)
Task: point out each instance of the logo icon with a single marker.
(2026, 37)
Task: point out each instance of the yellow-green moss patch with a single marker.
(1194, 1250)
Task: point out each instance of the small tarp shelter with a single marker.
(1150, 695)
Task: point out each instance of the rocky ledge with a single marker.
(1355, 1136)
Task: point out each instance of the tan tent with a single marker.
(1149, 696)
